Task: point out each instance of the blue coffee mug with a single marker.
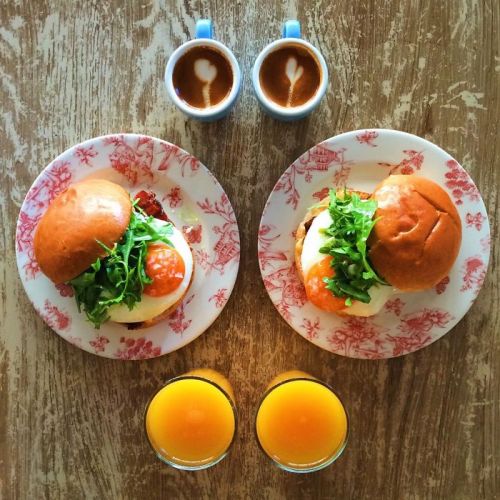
(291, 37)
(204, 38)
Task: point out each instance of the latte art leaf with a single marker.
(290, 76)
(293, 71)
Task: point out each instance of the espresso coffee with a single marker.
(290, 76)
(202, 77)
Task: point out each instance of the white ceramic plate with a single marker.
(360, 160)
(193, 200)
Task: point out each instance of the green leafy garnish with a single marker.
(347, 236)
(119, 277)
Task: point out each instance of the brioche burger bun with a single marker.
(84, 226)
(417, 238)
(87, 212)
(411, 247)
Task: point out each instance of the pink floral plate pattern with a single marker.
(360, 160)
(195, 202)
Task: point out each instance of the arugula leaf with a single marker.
(120, 276)
(347, 236)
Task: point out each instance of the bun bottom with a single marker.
(153, 321)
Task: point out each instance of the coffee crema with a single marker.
(202, 77)
(290, 76)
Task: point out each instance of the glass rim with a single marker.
(314, 468)
(217, 459)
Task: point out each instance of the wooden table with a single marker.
(426, 425)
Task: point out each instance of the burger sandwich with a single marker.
(354, 250)
(124, 264)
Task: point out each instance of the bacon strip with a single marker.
(148, 202)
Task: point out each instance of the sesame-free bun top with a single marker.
(416, 240)
(65, 239)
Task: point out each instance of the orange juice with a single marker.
(215, 377)
(301, 424)
(191, 421)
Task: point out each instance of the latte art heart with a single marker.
(205, 71)
(202, 77)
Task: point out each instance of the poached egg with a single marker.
(316, 266)
(171, 269)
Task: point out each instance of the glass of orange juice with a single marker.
(301, 424)
(191, 421)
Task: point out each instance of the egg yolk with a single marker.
(165, 266)
(316, 290)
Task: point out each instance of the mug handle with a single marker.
(291, 29)
(203, 28)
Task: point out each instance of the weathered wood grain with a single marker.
(423, 426)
